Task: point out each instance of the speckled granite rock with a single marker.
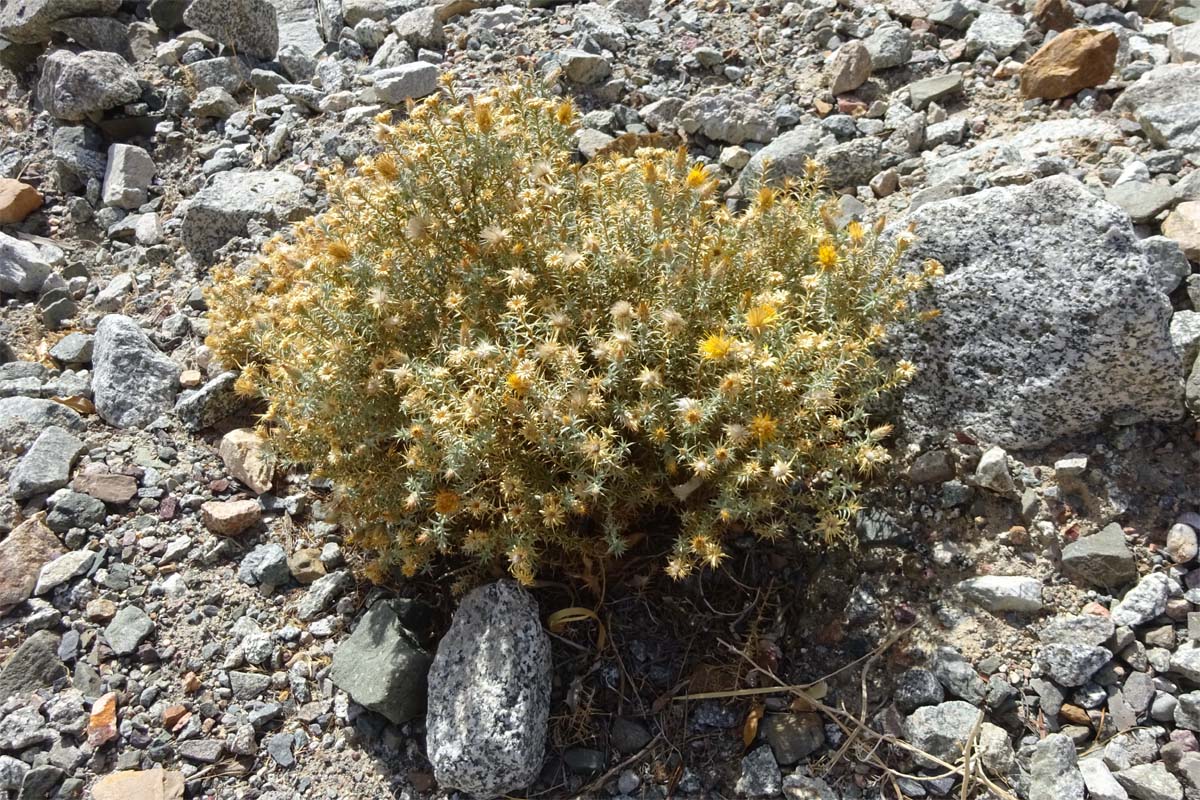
(133, 381)
(248, 26)
(1051, 319)
(29, 21)
(489, 694)
(73, 86)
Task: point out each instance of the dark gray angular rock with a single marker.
(1163, 102)
(130, 627)
(202, 751)
(381, 665)
(23, 270)
(1150, 782)
(73, 86)
(958, 676)
(941, 730)
(247, 26)
(97, 33)
(265, 565)
(168, 14)
(934, 466)
(1054, 770)
(1089, 629)
(74, 348)
(939, 87)
(1101, 559)
(79, 156)
(489, 694)
(322, 593)
(917, 687)
(222, 209)
(46, 465)
(1051, 319)
(793, 737)
(30, 21)
(33, 665)
(75, 510)
(1070, 664)
(133, 382)
(1141, 200)
(279, 748)
(23, 418)
(214, 401)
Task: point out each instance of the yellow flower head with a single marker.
(827, 255)
(760, 317)
(764, 427)
(764, 200)
(518, 383)
(715, 347)
(697, 177)
(855, 231)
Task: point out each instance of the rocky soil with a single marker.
(179, 616)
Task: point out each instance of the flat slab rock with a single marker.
(1051, 320)
(222, 209)
(489, 694)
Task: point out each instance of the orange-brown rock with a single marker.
(1073, 60)
(149, 784)
(1053, 15)
(22, 554)
(102, 723)
(17, 201)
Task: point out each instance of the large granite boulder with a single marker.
(1052, 321)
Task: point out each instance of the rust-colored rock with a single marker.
(1053, 15)
(230, 517)
(107, 487)
(22, 555)
(17, 201)
(173, 715)
(1074, 60)
(102, 723)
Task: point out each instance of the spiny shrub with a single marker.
(493, 350)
